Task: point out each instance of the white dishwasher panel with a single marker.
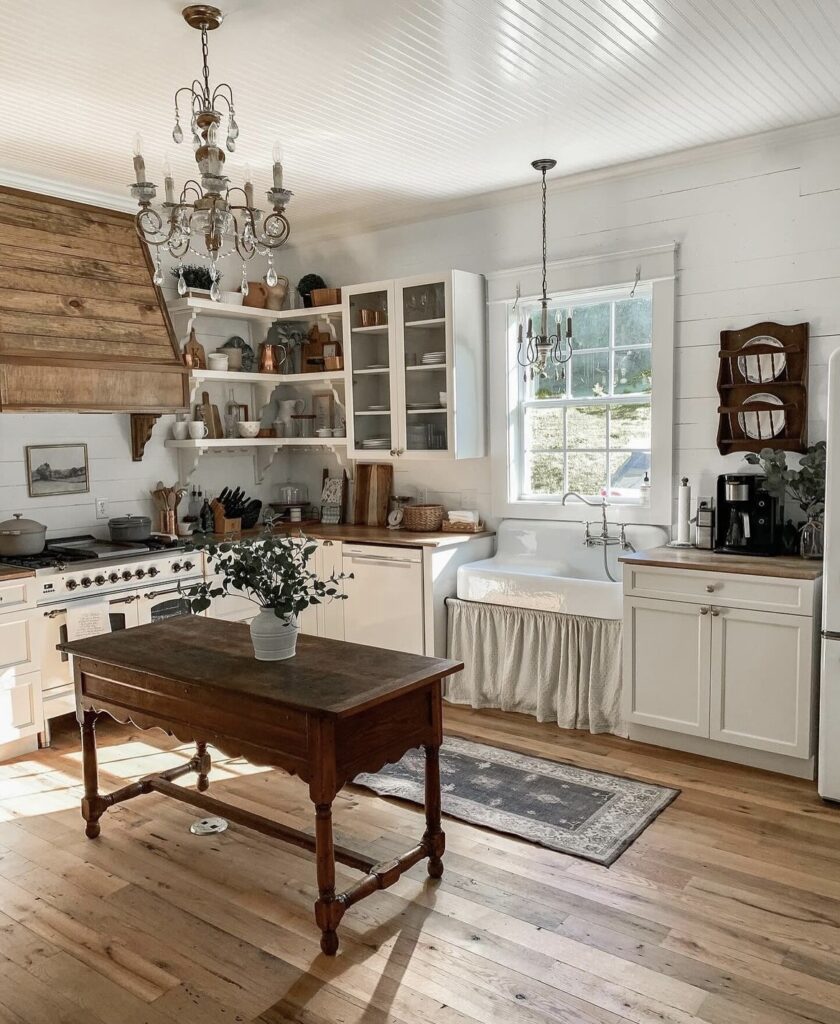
(384, 606)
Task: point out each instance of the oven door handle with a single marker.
(54, 612)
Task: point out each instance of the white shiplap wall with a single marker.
(757, 224)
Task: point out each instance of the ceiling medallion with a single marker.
(535, 347)
(206, 220)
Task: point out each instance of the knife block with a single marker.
(221, 524)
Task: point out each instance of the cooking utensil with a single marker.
(19, 536)
(129, 528)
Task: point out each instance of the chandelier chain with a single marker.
(205, 69)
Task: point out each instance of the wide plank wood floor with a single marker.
(725, 911)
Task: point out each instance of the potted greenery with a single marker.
(274, 573)
(195, 278)
(306, 285)
(805, 485)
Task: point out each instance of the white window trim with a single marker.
(504, 389)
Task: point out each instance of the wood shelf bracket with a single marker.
(142, 425)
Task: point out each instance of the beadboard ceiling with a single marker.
(386, 106)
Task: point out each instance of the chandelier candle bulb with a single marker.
(249, 186)
(139, 162)
(277, 156)
(168, 184)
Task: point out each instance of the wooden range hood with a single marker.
(83, 328)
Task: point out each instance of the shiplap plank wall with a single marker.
(757, 224)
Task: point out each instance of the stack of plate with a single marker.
(376, 442)
(433, 358)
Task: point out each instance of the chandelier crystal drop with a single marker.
(535, 345)
(210, 218)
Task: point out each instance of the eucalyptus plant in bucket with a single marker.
(274, 573)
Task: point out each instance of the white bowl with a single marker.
(249, 428)
(324, 432)
(232, 298)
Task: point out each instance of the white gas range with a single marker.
(139, 583)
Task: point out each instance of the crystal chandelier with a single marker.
(534, 347)
(205, 220)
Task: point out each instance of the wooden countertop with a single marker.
(372, 535)
(12, 572)
(784, 566)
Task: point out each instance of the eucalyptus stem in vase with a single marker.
(274, 573)
(805, 484)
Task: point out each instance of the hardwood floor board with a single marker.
(73, 915)
(95, 994)
(35, 1002)
(742, 968)
(21, 945)
(113, 958)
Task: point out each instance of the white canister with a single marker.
(217, 361)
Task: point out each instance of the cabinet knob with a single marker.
(710, 588)
(715, 612)
(704, 611)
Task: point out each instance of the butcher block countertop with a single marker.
(784, 566)
(12, 572)
(370, 535)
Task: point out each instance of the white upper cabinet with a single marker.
(415, 357)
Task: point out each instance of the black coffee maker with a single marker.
(749, 518)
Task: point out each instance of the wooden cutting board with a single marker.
(211, 417)
(374, 481)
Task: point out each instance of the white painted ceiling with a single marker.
(386, 106)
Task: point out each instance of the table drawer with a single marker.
(769, 593)
(15, 642)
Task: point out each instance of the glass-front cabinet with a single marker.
(416, 367)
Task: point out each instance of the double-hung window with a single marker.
(585, 425)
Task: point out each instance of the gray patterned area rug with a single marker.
(587, 814)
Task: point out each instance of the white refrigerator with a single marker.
(828, 777)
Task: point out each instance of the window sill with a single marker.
(653, 514)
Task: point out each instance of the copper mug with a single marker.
(268, 358)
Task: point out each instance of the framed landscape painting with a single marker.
(56, 469)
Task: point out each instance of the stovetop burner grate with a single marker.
(67, 550)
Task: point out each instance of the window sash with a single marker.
(608, 400)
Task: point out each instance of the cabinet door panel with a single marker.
(20, 706)
(761, 681)
(666, 665)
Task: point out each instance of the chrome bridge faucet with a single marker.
(603, 539)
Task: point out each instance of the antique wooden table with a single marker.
(332, 711)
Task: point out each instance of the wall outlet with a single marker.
(101, 508)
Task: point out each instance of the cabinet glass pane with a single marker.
(424, 354)
(371, 370)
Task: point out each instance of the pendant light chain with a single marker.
(537, 348)
(544, 236)
(205, 57)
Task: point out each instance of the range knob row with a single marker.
(177, 567)
(115, 577)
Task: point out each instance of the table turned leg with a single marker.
(433, 838)
(202, 766)
(328, 910)
(93, 805)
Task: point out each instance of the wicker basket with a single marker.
(450, 527)
(423, 518)
(325, 296)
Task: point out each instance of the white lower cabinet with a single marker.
(385, 603)
(667, 665)
(708, 668)
(761, 683)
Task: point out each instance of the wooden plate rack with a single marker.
(762, 384)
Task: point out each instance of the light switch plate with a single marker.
(101, 508)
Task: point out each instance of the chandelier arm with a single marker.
(191, 185)
(149, 233)
(221, 96)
